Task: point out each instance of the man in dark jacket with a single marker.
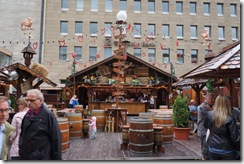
(40, 137)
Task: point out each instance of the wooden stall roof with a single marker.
(49, 87)
(5, 51)
(224, 65)
(33, 73)
(113, 59)
(189, 82)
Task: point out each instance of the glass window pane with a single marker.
(123, 5)
(180, 56)
(78, 51)
(166, 56)
(165, 7)
(92, 53)
(137, 52)
(78, 27)
(63, 53)
(233, 9)
(94, 5)
(194, 56)
(151, 30)
(64, 4)
(108, 5)
(93, 28)
(193, 8)
(108, 32)
(179, 7)
(234, 33)
(79, 4)
(137, 5)
(137, 30)
(220, 9)
(193, 31)
(206, 8)
(165, 30)
(221, 32)
(179, 31)
(63, 27)
(151, 6)
(151, 55)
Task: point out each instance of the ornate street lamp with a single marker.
(28, 53)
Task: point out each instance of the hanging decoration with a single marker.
(35, 45)
(161, 46)
(98, 56)
(177, 43)
(26, 24)
(103, 31)
(61, 42)
(73, 54)
(80, 38)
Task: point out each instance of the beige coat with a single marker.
(9, 131)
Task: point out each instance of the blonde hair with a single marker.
(221, 110)
(21, 101)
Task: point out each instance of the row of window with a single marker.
(151, 30)
(137, 52)
(151, 6)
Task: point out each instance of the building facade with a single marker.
(164, 33)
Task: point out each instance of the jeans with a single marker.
(204, 148)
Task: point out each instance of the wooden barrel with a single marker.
(101, 118)
(64, 129)
(79, 108)
(158, 135)
(167, 123)
(141, 136)
(85, 127)
(146, 115)
(75, 124)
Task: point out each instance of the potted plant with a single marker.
(181, 118)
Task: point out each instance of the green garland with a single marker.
(209, 86)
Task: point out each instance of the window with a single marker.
(220, 9)
(165, 7)
(206, 7)
(108, 5)
(232, 9)
(151, 55)
(137, 52)
(151, 6)
(79, 5)
(92, 53)
(151, 30)
(123, 5)
(208, 28)
(93, 28)
(180, 56)
(206, 52)
(165, 30)
(179, 31)
(179, 7)
(137, 6)
(63, 53)
(94, 5)
(166, 56)
(194, 56)
(137, 30)
(193, 32)
(221, 32)
(64, 4)
(64, 27)
(234, 33)
(78, 51)
(78, 27)
(193, 8)
(107, 52)
(108, 32)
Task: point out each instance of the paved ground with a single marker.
(107, 147)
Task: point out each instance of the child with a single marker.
(92, 128)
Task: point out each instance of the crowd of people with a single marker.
(33, 133)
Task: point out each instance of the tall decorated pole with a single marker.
(121, 55)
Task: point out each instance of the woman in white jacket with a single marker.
(16, 122)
